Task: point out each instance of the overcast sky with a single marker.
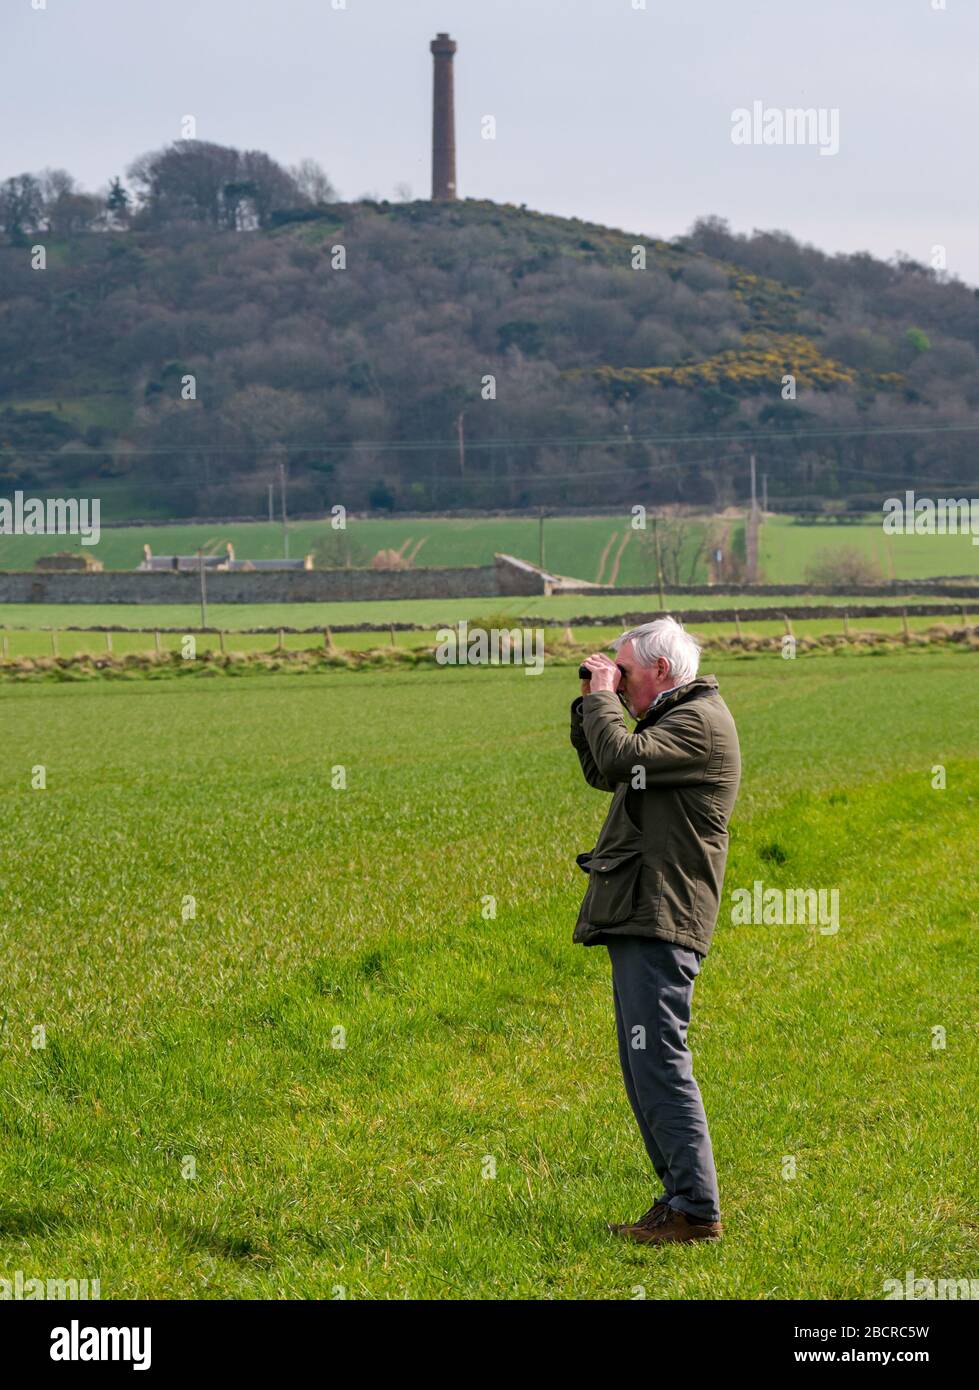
(617, 114)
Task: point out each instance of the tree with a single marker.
(204, 182)
(917, 341)
(55, 184)
(335, 551)
(21, 207)
(843, 565)
(677, 544)
(269, 186)
(117, 201)
(186, 180)
(71, 213)
(312, 182)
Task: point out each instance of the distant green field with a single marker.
(33, 638)
(558, 609)
(26, 624)
(583, 547)
(282, 1040)
(109, 410)
(572, 545)
(786, 549)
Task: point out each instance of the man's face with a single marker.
(639, 685)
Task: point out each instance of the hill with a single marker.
(422, 356)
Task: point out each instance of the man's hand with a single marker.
(605, 675)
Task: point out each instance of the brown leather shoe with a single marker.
(668, 1226)
(619, 1228)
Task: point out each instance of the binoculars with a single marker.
(585, 675)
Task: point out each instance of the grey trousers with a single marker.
(652, 985)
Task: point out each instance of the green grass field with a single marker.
(37, 642)
(584, 547)
(573, 545)
(296, 1088)
(26, 625)
(786, 549)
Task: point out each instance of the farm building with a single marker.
(226, 561)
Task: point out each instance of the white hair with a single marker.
(667, 638)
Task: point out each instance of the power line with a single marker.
(540, 441)
(636, 472)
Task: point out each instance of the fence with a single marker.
(325, 635)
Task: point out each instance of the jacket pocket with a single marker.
(613, 881)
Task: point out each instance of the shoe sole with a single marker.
(647, 1238)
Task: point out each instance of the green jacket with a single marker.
(658, 866)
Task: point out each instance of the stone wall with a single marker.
(283, 586)
(506, 577)
(943, 587)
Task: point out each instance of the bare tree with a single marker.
(21, 206)
(843, 565)
(186, 180)
(212, 183)
(312, 182)
(268, 185)
(676, 544)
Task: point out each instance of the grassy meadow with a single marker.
(599, 549)
(27, 627)
(585, 547)
(287, 1044)
(786, 549)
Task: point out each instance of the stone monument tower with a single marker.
(443, 121)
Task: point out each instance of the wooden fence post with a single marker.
(157, 643)
(108, 642)
(54, 642)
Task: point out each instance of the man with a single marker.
(654, 888)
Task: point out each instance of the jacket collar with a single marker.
(700, 685)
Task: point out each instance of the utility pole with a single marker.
(659, 563)
(540, 537)
(271, 502)
(754, 495)
(462, 444)
(751, 531)
(764, 492)
(285, 520)
(200, 561)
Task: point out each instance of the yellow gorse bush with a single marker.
(758, 363)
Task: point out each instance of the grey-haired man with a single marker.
(655, 879)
